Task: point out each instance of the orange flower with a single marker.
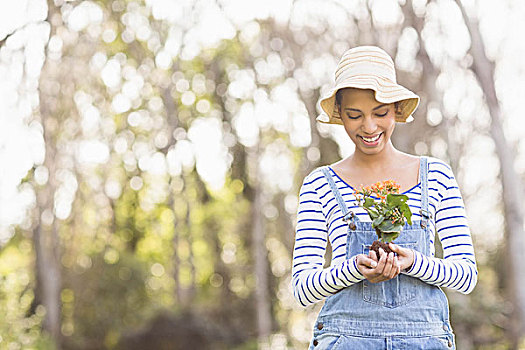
(380, 189)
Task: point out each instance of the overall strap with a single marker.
(347, 215)
(423, 179)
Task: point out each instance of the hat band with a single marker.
(366, 66)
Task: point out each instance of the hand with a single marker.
(387, 267)
(405, 256)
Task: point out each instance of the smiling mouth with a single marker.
(372, 141)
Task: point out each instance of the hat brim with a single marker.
(385, 91)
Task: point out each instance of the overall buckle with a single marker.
(349, 218)
(427, 215)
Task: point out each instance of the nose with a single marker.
(369, 125)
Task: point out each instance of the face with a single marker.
(368, 122)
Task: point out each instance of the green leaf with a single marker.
(394, 199)
(377, 221)
(389, 237)
(405, 210)
(379, 235)
(388, 227)
(369, 202)
(373, 214)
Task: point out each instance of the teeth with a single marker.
(371, 139)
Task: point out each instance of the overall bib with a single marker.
(401, 313)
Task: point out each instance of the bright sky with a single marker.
(20, 144)
(21, 58)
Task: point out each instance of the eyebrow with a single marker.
(358, 110)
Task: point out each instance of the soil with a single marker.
(378, 244)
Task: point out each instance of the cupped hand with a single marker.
(374, 270)
(405, 256)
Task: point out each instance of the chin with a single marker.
(371, 150)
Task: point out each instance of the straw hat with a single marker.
(368, 67)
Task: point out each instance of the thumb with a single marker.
(395, 248)
(373, 264)
(400, 251)
(368, 262)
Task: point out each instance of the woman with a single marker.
(393, 301)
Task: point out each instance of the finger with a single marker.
(405, 256)
(394, 247)
(372, 263)
(372, 254)
(387, 271)
(398, 249)
(382, 261)
(365, 265)
(395, 267)
(366, 261)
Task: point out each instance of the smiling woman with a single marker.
(379, 301)
(368, 122)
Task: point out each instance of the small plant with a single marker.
(388, 214)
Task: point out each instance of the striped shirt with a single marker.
(319, 219)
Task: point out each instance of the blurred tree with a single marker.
(46, 226)
(151, 250)
(511, 183)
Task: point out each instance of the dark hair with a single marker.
(338, 97)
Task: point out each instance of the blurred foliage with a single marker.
(161, 259)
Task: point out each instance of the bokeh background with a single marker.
(152, 153)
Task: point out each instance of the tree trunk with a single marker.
(262, 300)
(188, 293)
(45, 234)
(175, 242)
(309, 163)
(418, 129)
(48, 277)
(510, 180)
(172, 124)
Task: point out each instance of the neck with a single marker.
(375, 161)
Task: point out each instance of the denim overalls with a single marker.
(401, 313)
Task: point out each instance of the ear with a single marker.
(397, 109)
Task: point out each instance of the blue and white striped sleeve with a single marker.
(311, 282)
(457, 270)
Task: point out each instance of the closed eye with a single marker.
(382, 114)
(353, 117)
